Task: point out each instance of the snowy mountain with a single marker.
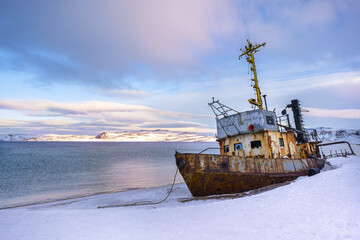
(126, 136)
(334, 135)
(14, 137)
(62, 138)
(154, 136)
(324, 134)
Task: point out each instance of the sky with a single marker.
(88, 66)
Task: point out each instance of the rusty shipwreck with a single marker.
(257, 148)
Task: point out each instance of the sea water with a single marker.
(32, 172)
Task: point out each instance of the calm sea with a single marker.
(33, 172)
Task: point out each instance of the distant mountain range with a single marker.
(331, 135)
(14, 137)
(324, 134)
(126, 136)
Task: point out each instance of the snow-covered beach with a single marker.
(325, 206)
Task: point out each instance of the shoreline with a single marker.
(64, 199)
(73, 197)
(323, 206)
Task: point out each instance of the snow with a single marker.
(126, 136)
(15, 137)
(324, 206)
(326, 134)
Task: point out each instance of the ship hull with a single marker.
(209, 174)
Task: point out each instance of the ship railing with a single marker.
(283, 123)
(196, 151)
(207, 149)
(338, 149)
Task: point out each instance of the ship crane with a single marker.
(249, 52)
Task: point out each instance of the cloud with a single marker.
(304, 31)
(316, 81)
(68, 108)
(85, 109)
(11, 123)
(173, 55)
(175, 124)
(100, 43)
(97, 115)
(333, 113)
(112, 44)
(308, 13)
(127, 94)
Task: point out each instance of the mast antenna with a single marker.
(249, 52)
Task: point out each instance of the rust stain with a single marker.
(231, 172)
(270, 146)
(208, 174)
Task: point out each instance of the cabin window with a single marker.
(270, 120)
(238, 146)
(281, 141)
(256, 144)
(226, 148)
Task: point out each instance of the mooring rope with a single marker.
(324, 161)
(144, 202)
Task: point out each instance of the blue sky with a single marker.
(83, 67)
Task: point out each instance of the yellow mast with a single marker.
(249, 51)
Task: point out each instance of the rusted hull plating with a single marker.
(208, 174)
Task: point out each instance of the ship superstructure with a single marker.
(256, 148)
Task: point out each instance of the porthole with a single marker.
(238, 146)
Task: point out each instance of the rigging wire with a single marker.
(143, 202)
